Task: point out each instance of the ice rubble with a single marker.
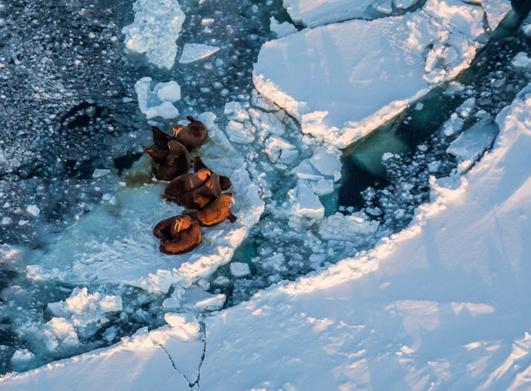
(158, 101)
(193, 52)
(422, 310)
(340, 89)
(155, 30)
(86, 252)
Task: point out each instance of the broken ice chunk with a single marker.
(238, 133)
(59, 333)
(281, 29)
(151, 102)
(469, 146)
(155, 30)
(305, 202)
(186, 325)
(346, 227)
(521, 61)
(279, 149)
(198, 299)
(239, 269)
(193, 52)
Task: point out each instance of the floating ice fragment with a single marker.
(193, 52)
(239, 269)
(185, 324)
(150, 100)
(521, 61)
(346, 227)
(33, 210)
(281, 29)
(155, 30)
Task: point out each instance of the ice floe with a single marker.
(193, 52)
(155, 30)
(114, 242)
(158, 101)
(339, 89)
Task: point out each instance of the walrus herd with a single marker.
(201, 192)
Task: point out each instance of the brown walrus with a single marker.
(178, 234)
(172, 163)
(193, 135)
(224, 181)
(194, 191)
(215, 212)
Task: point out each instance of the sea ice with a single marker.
(339, 89)
(193, 52)
(346, 227)
(281, 29)
(318, 12)
(521, 61)
(154, 32)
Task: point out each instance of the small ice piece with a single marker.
(198, 299)
(236, 112)
(453, 125)
(281, 29)
(86, 311)
(169, 91)
(404, 4)
(59, 333)
(323, 187)
(305, 202)
(100, 172)
(33, 210)
(384, 6)
(346, 227)
(21, 356)
(521, 61)
(239, 269)
(473, 141)
(149, 100)
(279, 149)
(221, 281)
(238, 133)
(527, 30)
(186, 325)
(154, 31)
(193, 52)
(327, 161)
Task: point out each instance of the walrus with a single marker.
(224, 181)
(216, 212)
(185, 239)
(171, 227)
(160, 139)
(175, 162)
(193, 135)
(194, 191)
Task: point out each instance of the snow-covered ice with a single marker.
(422, 310)
(155, 30)
(193, 52)
(86, 252)
(343, 80)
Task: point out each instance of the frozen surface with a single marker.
(155, 30)
(281, 29)
(495, 11)
(442, 304)
(340, 89)
(193, 52)
(87, 253)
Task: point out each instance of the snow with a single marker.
(114, 242)
(339, 89)
(193, 52)
(422, 310)
(239, 269)
(155, 30)
(157, 102)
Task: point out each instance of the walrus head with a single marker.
(178, 129)
(181, 223)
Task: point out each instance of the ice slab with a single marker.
(318, 12)
(496, 10)
(281, 29)
(155, 30)
(469, 146)
(157, 101)
(114, 243)
(193, 52)
(338, 88)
